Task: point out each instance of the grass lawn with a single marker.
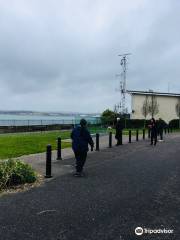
(17, 144)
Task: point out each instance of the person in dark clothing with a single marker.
(153, 128)
(118, 135)
(80, 140)
(160, 126)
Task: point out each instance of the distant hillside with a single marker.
(23, 112)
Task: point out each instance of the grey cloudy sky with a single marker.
(63, 54)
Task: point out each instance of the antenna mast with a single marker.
(122, 89)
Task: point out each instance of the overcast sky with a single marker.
(62, 55)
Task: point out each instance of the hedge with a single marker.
(174, 123)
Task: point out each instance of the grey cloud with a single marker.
(54, 50)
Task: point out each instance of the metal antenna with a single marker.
(123, 64)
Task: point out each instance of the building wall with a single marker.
(166, 107)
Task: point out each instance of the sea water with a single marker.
(32, 119)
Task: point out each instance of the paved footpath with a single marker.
(38, 161)
(134, 185)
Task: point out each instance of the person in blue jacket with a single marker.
(80, 140)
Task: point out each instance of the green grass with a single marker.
(15, 145)
(18, 144)
(133, 131)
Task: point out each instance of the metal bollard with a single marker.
(149, 133)
(97, 141)
(59, 157)
(110, 140)
(48, 161)
(165, 130)
(129, 136)
(137, 135)
(144, 133)
(168, 129)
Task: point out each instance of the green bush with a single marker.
(14, 172)
(175, 123)
(108, 117)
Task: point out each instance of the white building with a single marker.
(166, 104)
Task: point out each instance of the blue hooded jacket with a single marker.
(80, 139)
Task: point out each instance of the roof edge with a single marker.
(135, 92)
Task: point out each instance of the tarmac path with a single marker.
(133, 185)
(38, 160)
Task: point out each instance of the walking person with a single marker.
(153, 128)
(118, 135)
(80, 140)
(160, 126)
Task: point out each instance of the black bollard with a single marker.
(144, 134)
(149, 133)
(168, 129)
(165, 130)
(48, 162)
(59, 157)
(110, 140)
(129, 136)
(97, 141)
(137, 135)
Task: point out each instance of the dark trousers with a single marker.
(161, 134)
(154, 137)
(119, 138)
(80, 160)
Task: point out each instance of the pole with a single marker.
(59, 157)
(48, 161)
(110, 140)
(129, 136)
(97, 141)
(137, 135)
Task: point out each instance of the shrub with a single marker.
(108, 117)
(134, 123)
(175, 123)
(14, 172)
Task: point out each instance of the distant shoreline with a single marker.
(36, 113)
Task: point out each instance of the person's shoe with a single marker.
(78, 174)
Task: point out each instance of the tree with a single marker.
(153, 106)
(178, 110)
(145, 109)
(108, 117)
